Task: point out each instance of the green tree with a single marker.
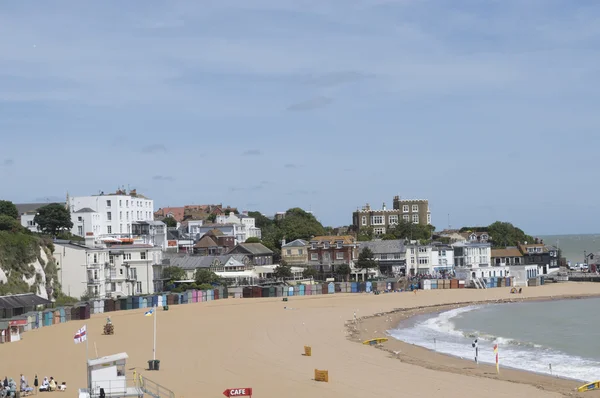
(298, 224)
(53, 218)
(283, 271)
(388, 237)
(310, 272)
(412, 231)
(260, 221)
(205, 276)
(7, 223)
(170, 222)
(504, 234)
(8, 208)
(366, 260)
(211, 218)
(173, 273)
(343, 271)
(252, 239)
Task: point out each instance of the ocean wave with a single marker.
(439, 333)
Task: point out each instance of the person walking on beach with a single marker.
(36, 384)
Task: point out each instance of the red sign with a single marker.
(18, 322)
(238, 392)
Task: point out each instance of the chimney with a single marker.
(383, 207)
(89, 239)
(283, 241)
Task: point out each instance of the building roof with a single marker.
(205, 242)
(384, 246)
(254, 248)
(177, 212)
(507, 252)
(215, 232)
(108, 359)
(296, 243)
(85, 210)
(347, 239)
(22, 301)
(189, 263)
(524, 247)
(23, 208)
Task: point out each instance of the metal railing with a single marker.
(115, 388)
(154, 389)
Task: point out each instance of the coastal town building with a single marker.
(27, 212)
(214, 243)
(295, 253)
(507, 256)
(258, 253)
(247, 223)
(380, 220)
(390, 254)
(239, 226)
(452, 235)
(429, 259)
(109, 214)
(544, 256)
(100, 269)
(326, 252)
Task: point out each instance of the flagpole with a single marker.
(154, 348)
(87, 358)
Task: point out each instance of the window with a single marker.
(79, 219)
(121, 271)
(111, 259)
(415, 218)
(422, 250)
(133, 273)
(113, 287)
(405, 208)
(138, 287)
(415, 208)
(423, 260)
(412, 260)
(339, 245)
(443, 253)
(377, 220)
(384, 257)
(127, 256)
(379, 231)
(120, 215)
(393, 219)
(339, 255)
(143, 255)
(325, 256)
(80, 230)
(326, 245)
(314, 256)
(121, 228)
(109, 229)
(428, 218)
(120, 203)
(95, 258)
(538, 249)
(412, 250)
(109, 216)
(406, 217)
(397, 256)
(127, 203)
(108, 203)
(288, 252)
(364, 220)
(313, 245)
(301, 252)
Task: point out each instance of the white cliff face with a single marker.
(40, 274)
(3, 277)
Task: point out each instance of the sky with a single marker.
(488, 109)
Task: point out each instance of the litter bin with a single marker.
(151, 364)
(165, 307)
(156, 364)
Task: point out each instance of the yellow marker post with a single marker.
(322, 375)
(307, 351)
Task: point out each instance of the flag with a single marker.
(81, 335)
(496, 353)
(149, 313)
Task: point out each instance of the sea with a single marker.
(558, 337)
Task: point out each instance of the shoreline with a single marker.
(430, 359)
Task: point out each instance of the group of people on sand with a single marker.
(8, 387)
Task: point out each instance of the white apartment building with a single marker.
(109, 214)
(104, 270)
(429, 259)
(247, 223)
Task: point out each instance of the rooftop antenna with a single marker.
(449, 221)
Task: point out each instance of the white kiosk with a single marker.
(107, 378)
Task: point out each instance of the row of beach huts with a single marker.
(11, 329)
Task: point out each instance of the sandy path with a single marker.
(205, 348)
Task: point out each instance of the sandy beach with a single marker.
(206, 348)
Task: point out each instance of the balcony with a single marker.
(95, 266)
(95, 281)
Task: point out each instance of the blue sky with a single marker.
(489, 109)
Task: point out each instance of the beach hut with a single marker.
(296, 290)
(159, 300)
(247, 292)
(84, 311)
(118, 305)
(369, 287)
(216, 294)
(48, 315)
(353, 287)
(302, 289)
(68, 313)
(265, 292)
(75, 313)
(330, 288)
(194, 296)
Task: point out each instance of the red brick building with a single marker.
(325, 252)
